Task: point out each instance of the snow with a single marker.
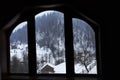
(81, 69)
(61, 68)
(42, 51)
(61, 45)
(18, 51)
(93, 70)
(77, 47)
(48, 65)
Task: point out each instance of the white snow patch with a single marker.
(81, 68)
(93, 70)
(61, 68)
(16, 52)
(19, 51)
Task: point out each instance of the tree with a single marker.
(84, 42)
(50, 33)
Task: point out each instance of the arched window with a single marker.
(84, 48)
(19, 49)
(54, 42)
(50, 42)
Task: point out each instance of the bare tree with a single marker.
(84, 42)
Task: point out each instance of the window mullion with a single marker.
(69, 46)
(31, 45)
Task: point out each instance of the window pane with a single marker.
(19, 49)
(84, 48)
(50, 41)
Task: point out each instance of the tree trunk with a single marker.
(86, 67)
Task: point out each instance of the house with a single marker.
(47, 68)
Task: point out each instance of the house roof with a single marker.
(51, 65)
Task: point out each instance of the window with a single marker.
(50, 42)
(19, 49)
(84, 48)
(53, 42)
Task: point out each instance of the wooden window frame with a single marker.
(28, 14)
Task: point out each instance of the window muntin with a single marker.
(84, 48)
(50, 42)
(19, 49)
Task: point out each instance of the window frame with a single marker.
(28, 15)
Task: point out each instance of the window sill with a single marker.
(14, 77)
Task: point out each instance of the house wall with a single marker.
(47, 69)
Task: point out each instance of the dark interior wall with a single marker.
(94, 9)
(10, 8)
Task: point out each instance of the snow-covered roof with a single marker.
(48, 65)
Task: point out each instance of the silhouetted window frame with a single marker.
(28, 14)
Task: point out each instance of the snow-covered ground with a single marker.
(81, 68)
(61, 68)
(93, 70)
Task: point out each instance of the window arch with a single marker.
(68, 37)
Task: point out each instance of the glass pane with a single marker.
(84, 48)
(50, 41)
(19, 49)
